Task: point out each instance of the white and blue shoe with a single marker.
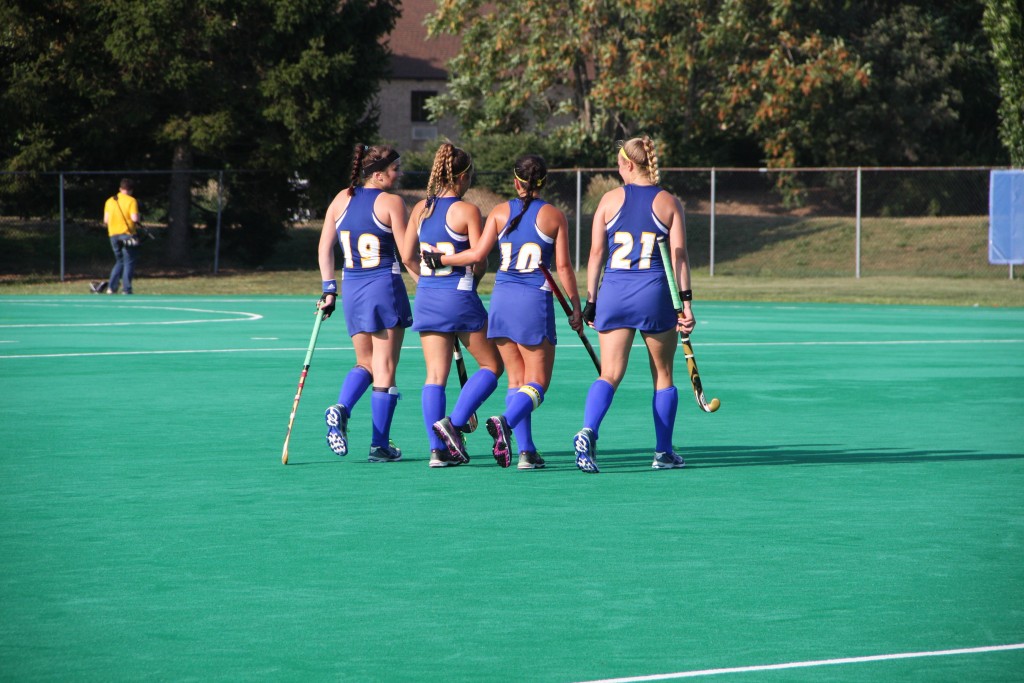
(389, 453)
(337, 429)
(586, 452)
(667, 461)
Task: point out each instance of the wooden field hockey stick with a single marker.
(684, 339)
(568, 311)
(460, 367)
(302, 382)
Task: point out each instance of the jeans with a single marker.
(124, 263)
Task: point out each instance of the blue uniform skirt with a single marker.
(439, 309)
(639, 301)
(523, 313)
(374, 303)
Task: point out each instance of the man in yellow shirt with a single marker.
(121, 216)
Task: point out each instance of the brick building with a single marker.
(417, 73)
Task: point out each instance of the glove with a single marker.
(589, 311)
(432, 259)
(327, 308)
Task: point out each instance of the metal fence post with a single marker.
(579, 204)
(216, 246)
(857, 245)
(711, 238)
(62, 252)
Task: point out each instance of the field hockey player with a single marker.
(367, 221)
(635, 297)
(447, 306)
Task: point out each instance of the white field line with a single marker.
(817, 662)
(241, 316)
(408, 347)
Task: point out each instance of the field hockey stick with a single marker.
(568, 311)
(460, 367)
(302, 382)
(684, 339)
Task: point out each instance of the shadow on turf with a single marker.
(797, 454)
(639, 459)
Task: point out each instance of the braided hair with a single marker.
(450, 164)
(530, 170)
(641, 152)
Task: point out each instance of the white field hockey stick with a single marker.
(302, 382)
(684, 339)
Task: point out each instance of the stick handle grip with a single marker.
(673, 288)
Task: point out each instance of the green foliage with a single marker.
(276, 86)
(769, 82)
(1004, 24)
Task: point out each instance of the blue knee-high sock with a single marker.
(433, 410)
(664, 407)
(382, 406)
(357, 381)
(524, 430)
(599, 400)
(481, 385)
(527, 399)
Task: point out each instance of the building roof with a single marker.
(414, 56)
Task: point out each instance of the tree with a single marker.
(277, 87)
(1004, 24)
(812, 82)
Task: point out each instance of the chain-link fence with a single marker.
(815, 222)
(57, 227)
(822, 222)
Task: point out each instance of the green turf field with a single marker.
(860, 494)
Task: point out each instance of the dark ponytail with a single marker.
(530, 170)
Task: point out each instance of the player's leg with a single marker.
(661, 348)
(515, 365)
(615, 345)
(387, 347)
(538, 361)
(482, 383)
(355, 384)
(437, 354)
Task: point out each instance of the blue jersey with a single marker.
(633, 233)
(367, 244)
(524, 249)
(435, 235)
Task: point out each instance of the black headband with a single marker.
(381, 164)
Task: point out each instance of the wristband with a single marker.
(330, 286)
(686, 295)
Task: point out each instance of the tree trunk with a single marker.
(180, 200)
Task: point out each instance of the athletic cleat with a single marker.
(440, 457)
(389, 453)
(667, 461)
(499, 430)
(337, 429)
(453, 439)
(586, 453)
(530, 460)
